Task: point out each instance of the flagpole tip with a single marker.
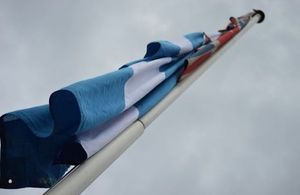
(261, 13)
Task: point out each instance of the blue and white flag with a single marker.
(38, 144)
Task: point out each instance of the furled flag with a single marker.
(38, 144)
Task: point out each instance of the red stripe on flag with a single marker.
(191, 67)
(224, 38)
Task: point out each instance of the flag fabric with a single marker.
(38, 144)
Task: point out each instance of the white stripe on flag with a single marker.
(184, 44)
(146, 76)
(94, 140)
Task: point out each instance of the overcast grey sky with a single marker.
(235, 131)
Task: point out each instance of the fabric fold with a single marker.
(28, 150)
(89, 142)
(175, 48)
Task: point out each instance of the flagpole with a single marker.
(79, 178)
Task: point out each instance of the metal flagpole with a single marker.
(79, 178)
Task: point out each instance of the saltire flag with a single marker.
(39, 144)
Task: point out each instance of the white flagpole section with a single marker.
(78, 179)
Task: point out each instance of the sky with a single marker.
(234, 131)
